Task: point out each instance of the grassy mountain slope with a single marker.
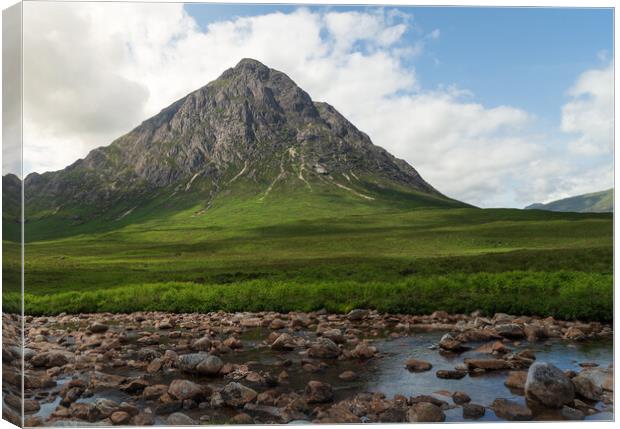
(596, 202)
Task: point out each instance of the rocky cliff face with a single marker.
(253, 122)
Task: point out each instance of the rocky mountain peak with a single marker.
(251, 124)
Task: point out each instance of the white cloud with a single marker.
(95, 70)
(589, 113)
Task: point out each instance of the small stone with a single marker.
(473, 411)
(98, 328)
(448, 374)
(510, 410)
(347, 376)
(242, 419)
(516, 380)
(318, 392)
(120, 418)
(180, 419)
(569, 413)
(460, 398)
(425, 412)
(415, 365)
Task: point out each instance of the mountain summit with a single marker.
(252, 128)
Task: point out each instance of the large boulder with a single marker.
(590, 383)
(200, 363)
(548, 386)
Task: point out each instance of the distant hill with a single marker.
(596, 202)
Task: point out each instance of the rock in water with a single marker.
(237, 395)
(425, 412)
(415, 365)
(511, 410)
(318, 392)
(180, 419)
(548, 386)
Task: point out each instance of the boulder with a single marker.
(448, 374)
(98, 328)
(324, 348)
(548, 386)
(473, 411)
(210, 366)
(460, 398)
(357, 314)
(449, 343)
(284, 342)
(516, 380)
(510, 330)
(591, 382)
(487, 364)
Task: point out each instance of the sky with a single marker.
(498, 107)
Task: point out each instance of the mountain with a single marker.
(597, 202)
(251, 133)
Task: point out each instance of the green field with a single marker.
(312, 250)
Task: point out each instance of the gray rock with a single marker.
(180, 419)
(548, 386)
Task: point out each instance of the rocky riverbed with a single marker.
(183, 369)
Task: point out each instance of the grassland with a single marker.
(319, 250)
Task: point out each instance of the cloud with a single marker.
(589, 113)
(95, 70)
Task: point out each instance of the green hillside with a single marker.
(296, 249)
(596, 202)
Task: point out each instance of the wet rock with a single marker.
(425, 412)
(51, 359)
(534, 332)
(510, 330)
(574, 334)
(318, 392)
(143, 419)
(210, 366)
(237, 395)
(590, 383)
(202, 344)
(134, 385)
(164, 324)
(324, 348)
(511, 410)
(347, 376)
(241, 419)
(569, 413)
(516, 380)
(154, 366)
(83, 411)
(98, 328)
(415, 365)
(460, 398)
(363, 351)
(337, 414)
(487, 364)
(548, 386)
(277, 324)
(105, 407)
(357, 314)
(496, 348)
(180, 419)
(473, 411)
(120, 418)
(154, 391)
(335, 335)
(284, 342)
(449, 343)
(185, 389)
(448, 374)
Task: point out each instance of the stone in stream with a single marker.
(284, 341)
(473, 411)
(415, 365)
(548, 386)
(241, 419)
(202, 344)
(335, 335)
(120, 418)
(425, 412)
(98, 328)
(509, 330)
(180, 419)
(145, 418)
(237, 395)
(569, 413)
(357, 314)
(210, 366)
(591, 382)
(185, 389)
(318, 392)
(106, 407)
(460, 398)
(496, 347)
(449, 343)
(51, 359)
(511, 410)
(574, 334)
(448, 374)
(516, 380)
(324, 348)
(154, 391)
(487, 364)
(363, 351)
(347, 376)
